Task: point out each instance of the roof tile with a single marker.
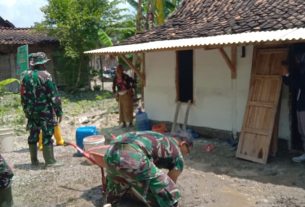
(23, 36)
(202, 18)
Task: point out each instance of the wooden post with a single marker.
(231, 63)
(132, 67)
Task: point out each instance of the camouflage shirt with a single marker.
(39, 94)
(6, 174)
(163, 150)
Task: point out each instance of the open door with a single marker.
(262, 106)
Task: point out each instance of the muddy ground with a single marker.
(210, 179)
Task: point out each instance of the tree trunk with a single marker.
(79, 71)
(139, 17)
(150, 15)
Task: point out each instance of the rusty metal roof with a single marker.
(297, 34)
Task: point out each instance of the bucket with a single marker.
(6, 140)
(94, 145)
(93, 142)
(142, 121)
(83, 132)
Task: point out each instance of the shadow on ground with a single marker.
(279, 170)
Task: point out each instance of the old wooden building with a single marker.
(12, 37)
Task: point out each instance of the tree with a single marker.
(81, 25)
(155, 11)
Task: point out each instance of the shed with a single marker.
(226, 56)
(11, 38)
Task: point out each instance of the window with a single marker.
(184, 74)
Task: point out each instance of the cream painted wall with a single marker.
(219, 101)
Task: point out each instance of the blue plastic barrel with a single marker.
(142, 121)
(83, 132)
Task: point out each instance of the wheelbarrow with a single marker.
(97, 158)
(94, 156)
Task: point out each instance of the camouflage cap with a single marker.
(38, 58)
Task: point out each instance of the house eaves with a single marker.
(19, 36)
(287, 35)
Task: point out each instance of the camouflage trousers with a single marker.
(47, 128)
(128, 166)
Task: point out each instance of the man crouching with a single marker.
(133, 161)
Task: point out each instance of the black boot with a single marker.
(6, 198)
(33, 153)
(48, 156)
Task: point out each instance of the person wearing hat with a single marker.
(134, 161)
(6, 174)
(40, 101)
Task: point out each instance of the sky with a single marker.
(22, 13)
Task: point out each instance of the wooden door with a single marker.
(262, 106)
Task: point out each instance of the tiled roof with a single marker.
(6, 23)
(202, 18)
(23, 36)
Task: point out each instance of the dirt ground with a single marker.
(210, 179)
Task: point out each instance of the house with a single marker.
(226, 56)
(11, 38)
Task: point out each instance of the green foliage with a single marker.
(11, 112)
(82, 25)
(161, 9)
(83, 102)
(5, 83)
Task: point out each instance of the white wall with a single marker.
(219, 101)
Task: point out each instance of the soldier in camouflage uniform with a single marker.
(133, 161)
(6, 174)
(40, 100)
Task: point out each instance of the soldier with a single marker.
(133, 161)
(6, 174)
(40, 100)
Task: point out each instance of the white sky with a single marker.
(23, 13)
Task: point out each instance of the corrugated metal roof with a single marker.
(296, 34)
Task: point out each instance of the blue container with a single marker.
(83, 132)
(142, 121)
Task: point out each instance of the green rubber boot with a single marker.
(6, 198)
(33, 153)
(48, 156)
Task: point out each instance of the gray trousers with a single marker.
(301, 125)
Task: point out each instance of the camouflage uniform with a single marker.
(134, 159)
(40, 99)
(6, 175)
